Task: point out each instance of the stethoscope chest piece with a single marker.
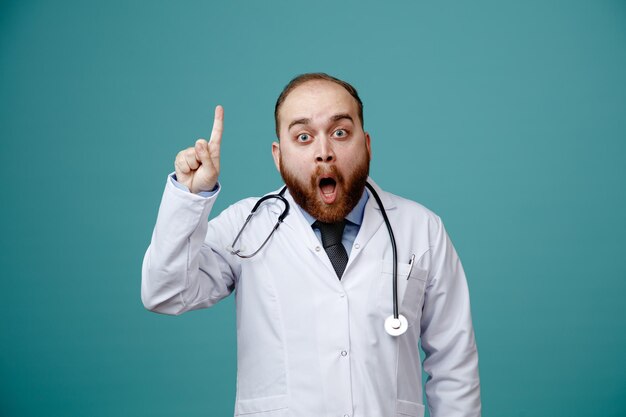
(396, 326)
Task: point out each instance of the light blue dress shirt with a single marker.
(353, 224)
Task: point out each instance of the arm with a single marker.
(453, 387)
(183, 269)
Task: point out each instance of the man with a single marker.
(313, 301)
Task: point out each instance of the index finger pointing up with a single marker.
(218, 125)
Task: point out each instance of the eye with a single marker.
(340, 133)
(303, 137)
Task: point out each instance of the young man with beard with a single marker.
(311, 337)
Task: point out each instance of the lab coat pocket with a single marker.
(408, 408)
(274, 406)
(411, 285)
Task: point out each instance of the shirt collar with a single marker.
(355, 216)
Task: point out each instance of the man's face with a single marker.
(323, 154)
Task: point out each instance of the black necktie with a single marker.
(331, 240)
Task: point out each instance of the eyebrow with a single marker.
(305, 121)
(341, 116)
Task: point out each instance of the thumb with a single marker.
(202, 151)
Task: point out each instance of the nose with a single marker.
(324, 152)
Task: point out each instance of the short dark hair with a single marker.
(315, 76)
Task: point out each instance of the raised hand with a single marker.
(198, 167)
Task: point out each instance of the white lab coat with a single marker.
(309, 345)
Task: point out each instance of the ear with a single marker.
(368, 145)
(276, 154)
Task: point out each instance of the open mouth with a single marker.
(328, 190)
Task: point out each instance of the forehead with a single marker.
(318, 99)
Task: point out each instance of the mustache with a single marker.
(326, 170)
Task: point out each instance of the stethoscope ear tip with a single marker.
(396, 326)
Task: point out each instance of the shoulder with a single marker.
(404, 203)
(406, 207)
(412, 215)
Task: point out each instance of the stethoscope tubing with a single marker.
(394, 249)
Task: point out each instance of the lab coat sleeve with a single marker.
(185, 268)
(452, 387)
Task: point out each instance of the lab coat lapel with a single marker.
(306, 236)
(372, 220)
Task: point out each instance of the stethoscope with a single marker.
(396, 324)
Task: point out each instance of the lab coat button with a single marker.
(356, 246)
(317, 249)
(346, 415)
(344, 353)
(342, 295)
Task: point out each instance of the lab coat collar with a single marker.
(388, 203)
(371, 222)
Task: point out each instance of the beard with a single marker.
(306, 193)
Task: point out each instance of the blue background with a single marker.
(506, 118)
